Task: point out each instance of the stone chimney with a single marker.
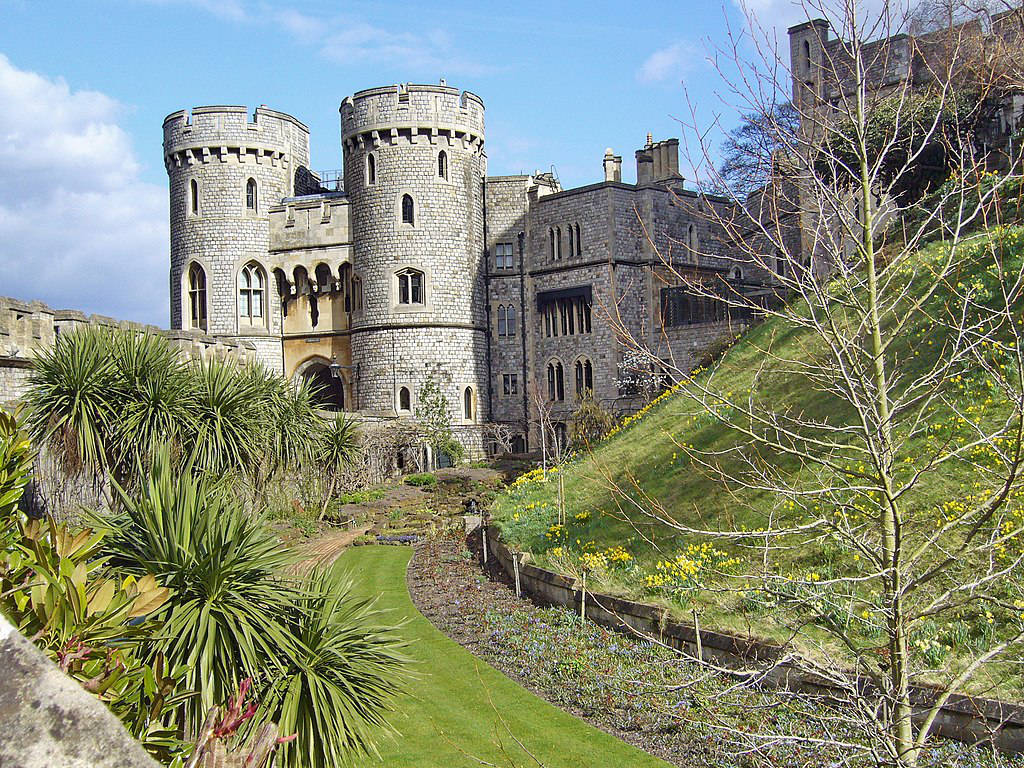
(658, 161)
(612, 166)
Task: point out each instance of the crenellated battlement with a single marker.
(29, 327)
(412, 113)
(227, 134)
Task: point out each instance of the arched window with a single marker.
(371, 169)
(442, 164)
(467, 404)
(556, 381)
(510, 320)
(250, 195)
(502, 321)
(579, 243)
(691, 238)
(807, 55)
(572, 240)
(558, 242)
(408, 210)
(737, 273)
(404, 399)
(193, 188)
(197, 297)
(551, 236)
(251, 295)
(410, 287)
(357, 293)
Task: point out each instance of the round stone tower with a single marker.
(225, 172)
(414, 171)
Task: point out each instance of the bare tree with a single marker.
(549, 450)
(501, 435)
(861, 477)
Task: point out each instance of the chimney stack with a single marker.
(612, 166)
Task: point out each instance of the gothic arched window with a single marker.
(197, 297)
(442, 164)
(408, 210)
(584, 377)
(579, 243)
(193, 188)
(467, 404)
(252, 294)
(371, 169)
(250, 195)
(404, 399)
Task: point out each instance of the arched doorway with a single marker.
(329, 392)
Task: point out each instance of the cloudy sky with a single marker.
(85, 85)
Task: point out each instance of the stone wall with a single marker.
(28, 328)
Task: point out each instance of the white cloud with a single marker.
(667, 63)
(79, 229)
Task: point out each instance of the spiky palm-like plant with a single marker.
(339, 446)
(230, 411)
(324, 664)
(158, 397)
(72, 400)
(225, 570)
(349, 667)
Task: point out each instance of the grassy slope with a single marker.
(447, 708)
(645, 455)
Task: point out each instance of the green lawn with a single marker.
(450, 713)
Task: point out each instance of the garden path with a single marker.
(459, 711)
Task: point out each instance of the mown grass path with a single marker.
(460, 708)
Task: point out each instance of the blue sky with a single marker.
(85, 84)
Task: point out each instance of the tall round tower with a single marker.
(414, 170)
(225, 172)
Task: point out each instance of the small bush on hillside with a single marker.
(421, 480)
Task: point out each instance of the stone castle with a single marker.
(509, 291)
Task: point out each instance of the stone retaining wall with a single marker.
(963, 718)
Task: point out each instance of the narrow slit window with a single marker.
(442, 164)
(250, 195)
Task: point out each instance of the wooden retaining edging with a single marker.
(971, 719)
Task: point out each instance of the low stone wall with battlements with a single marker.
(30, 327)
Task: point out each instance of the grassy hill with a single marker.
(647, 465)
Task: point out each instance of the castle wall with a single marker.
(30, 328)
(311, 263)
(507, 207)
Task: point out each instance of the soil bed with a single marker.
(643, 694)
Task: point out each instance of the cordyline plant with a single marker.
(892, 446)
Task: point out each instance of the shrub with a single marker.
(339, 685)
(421, 480)
(316, 658)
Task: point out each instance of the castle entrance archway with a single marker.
(329, 391)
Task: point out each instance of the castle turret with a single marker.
(225, 172)
(807, 44)
(414, 171)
